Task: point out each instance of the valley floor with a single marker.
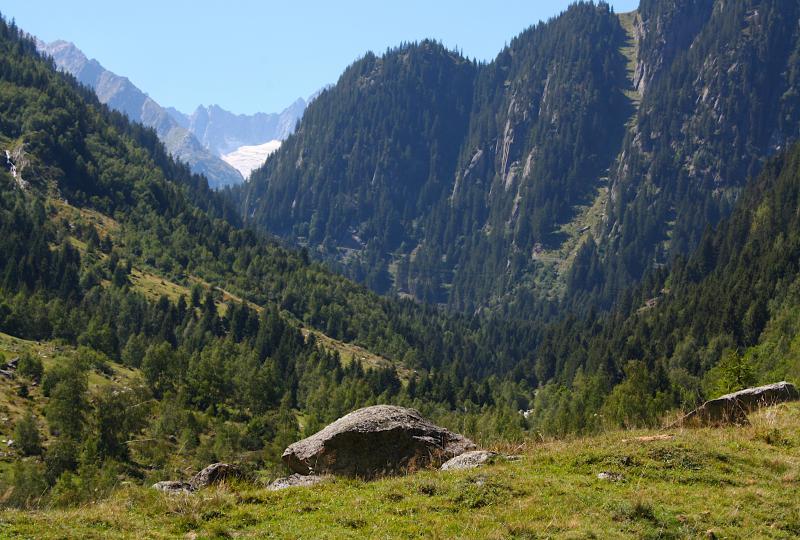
(713, 483)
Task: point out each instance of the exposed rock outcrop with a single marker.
(9, 368)
(382, 439)
(734, 408)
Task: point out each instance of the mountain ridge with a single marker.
(200, 139)
(121, 94)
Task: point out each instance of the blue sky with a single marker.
(250, 55)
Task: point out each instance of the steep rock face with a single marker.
(664, 29)
(548, 119)
(720, 96)
(120, 94)
(381, 439)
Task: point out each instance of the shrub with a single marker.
(61, 457)
(28, 485)
(26, 435)
(31, 367)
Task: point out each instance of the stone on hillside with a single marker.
(173, 487)
(296, 480)
(212, 474)
(469, 460)
(733, 408)
(216, 472)
(382, 439)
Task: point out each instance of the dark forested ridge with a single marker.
(424, 173)
(593, 148)
(373, 156)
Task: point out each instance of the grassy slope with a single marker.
(153, 286)
(736, 482)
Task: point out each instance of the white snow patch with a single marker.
(246, 158)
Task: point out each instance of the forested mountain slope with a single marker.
(143, 312)
(374, 154)
(723, 318)
(593, 148)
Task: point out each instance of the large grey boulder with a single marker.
(734, 408)
(369, 442)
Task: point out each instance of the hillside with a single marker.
(718, 83)
(714, 483)
(156, 333)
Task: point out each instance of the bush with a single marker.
(61, 457)
(89, 484)
(28, 485)
(26, 435)
(66, 385)
(31, 367)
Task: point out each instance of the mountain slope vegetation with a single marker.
(718, 84)
(723, 318)
(157, 333)
(120, 260)
(729, 483)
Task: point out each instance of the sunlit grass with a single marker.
(733, 482)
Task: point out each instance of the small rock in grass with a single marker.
(609, 476)
(214, 473)
(173, 487)
(469, 460)
(296, 480)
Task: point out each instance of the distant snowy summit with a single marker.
(245, 159)
(214, 142)
(223, 131)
